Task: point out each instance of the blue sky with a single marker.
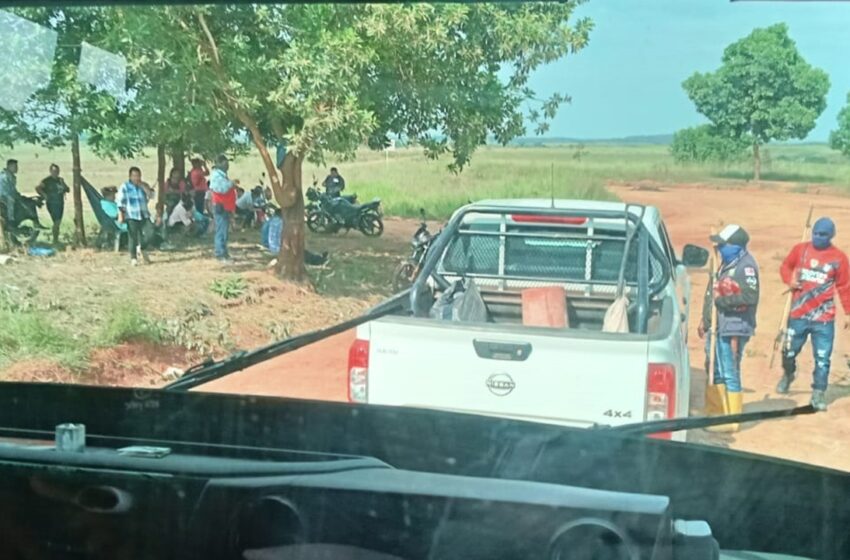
(628, 79)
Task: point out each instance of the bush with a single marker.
(705, 143)
(229, 288)
(126, 322)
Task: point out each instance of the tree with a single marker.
(705, 143)
(839, 139)
(323, 79)
(764, 90)
(59, 113)
(169, 109)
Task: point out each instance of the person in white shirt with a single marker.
(186, 214)
(244, 207)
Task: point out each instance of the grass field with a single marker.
(405, 180)
(60, 309)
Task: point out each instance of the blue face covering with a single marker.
(822, 233)
(729, 252)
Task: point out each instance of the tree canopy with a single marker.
(325, 79)
(763, 91)
(839, 139)
(318, 80)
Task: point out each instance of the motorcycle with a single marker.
(26, 209)
(407, 271)
(327, 214)
(314, 196)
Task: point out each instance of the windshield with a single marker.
(155, 162)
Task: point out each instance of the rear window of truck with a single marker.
(544, 252)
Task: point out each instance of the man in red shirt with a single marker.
(223, 206)
(814, 272)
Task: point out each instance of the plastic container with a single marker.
(545, 307)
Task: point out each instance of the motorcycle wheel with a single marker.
(317, 222)
(371, 225)
(403, 276)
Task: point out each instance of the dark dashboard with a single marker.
(193, 475)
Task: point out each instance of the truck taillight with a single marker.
(358, 371)
(661, 395)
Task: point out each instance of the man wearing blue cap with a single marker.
(814, 271)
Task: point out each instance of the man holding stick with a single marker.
(733, 295)
(814, 271)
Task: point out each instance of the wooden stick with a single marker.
(712, 344)
(782, 334)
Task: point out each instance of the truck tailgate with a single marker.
(566, 377)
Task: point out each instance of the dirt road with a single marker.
(774, 219)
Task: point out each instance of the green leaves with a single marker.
(705, 143)
(839, 139)
(764, 90)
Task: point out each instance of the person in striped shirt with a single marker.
(815, 272)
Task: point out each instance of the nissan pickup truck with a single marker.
(461, 342)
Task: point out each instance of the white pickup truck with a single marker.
(439, 354)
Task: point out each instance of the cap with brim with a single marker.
(732, 234)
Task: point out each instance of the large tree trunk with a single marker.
(178, 156)
(290, 261)
(756, 162)
(76, 167)
(287, 192)
(160, 179)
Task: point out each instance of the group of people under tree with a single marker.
(814, 271)
(192, 203)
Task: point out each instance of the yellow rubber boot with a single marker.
(714, 399)
(735, 404)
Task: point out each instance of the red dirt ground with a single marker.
(774, 219)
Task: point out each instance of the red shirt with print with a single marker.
(821, 273)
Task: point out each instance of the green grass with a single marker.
(127, 322)
(31, 334)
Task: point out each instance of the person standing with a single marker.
(814, 271)
(9, 191)
(734, 296)
(133, 210)
(334, 183)
(223, 206)
(198, 178)
(53, 189)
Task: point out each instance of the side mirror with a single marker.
(422, 213)
(694, 256)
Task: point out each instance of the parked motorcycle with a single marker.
(26, 210)
(407, 271)
(314, 195)
(326, 214)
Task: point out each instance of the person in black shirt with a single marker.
(54, 189)
(334, 183)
